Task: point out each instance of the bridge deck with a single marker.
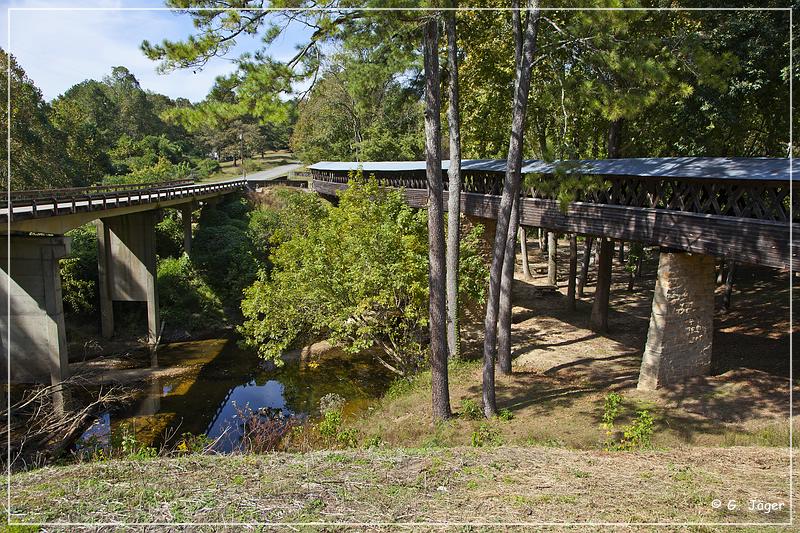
(60, 210)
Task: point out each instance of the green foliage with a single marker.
(330, 427)
(79, 278)
(635, 436)
(374, 441)
(638, 435)
(190, 443)
(356, 274)
(39, 157)
(186, 301)
(204, 167)
(505, 414)
(169, 236)
(611, 408)
(128, 446)
(223, 251)
(486, 435)
(471, 409)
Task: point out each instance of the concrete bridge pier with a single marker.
(681, 322)
(186, 219)
(126, 251)
(35, 323)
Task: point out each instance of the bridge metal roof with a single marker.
(734, 168)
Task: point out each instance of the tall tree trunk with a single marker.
(523, 244)
(454, 191)
(615, 139)
(726, 298)
(573, 271)
(509, 257)
(506, 295)
(599, 319)
(552, 251)
(587, 256)
(511, 186)
(440, 392)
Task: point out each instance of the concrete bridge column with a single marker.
(186, 218)
(127, 267)
(35, 324)
(681, 322)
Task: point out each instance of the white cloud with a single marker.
(58, 49)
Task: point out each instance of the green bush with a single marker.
(79, 278)
(169, 235)
(471, 409)
(185, 300)
(486, 435)
(356, 274)
(505, 414)
(223, 251)
(203, 168)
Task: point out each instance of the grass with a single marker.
(498, 484)
(541, 418)
(254, 164)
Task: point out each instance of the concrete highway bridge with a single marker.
(694, 208)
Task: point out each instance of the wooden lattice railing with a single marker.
(759, 199)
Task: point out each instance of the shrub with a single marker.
(185, 300)
(169, 235)
(486, 435)
(203, 168)
(471, 409)
(222, 249)
(638, 435)
(505, 414)
(79, 278)
(330, 424)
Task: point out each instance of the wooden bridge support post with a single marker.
(573, 271)
(523, 248)
(35, 325)
(681, 322)
(599, 318)
(552, 251)
(127, 267)
(587, 256)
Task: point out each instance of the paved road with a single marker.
(273, 173)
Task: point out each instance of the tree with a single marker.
(509, 257)
(453, 188)
(37, 156)
(436, 245)
(356, 274)
(511, 185)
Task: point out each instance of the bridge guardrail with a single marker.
(67, 201)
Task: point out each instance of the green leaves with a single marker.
(356, 274)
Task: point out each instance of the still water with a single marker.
(203, 385)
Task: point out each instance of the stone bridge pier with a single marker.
(681, 321)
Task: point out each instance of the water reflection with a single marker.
(218, 379)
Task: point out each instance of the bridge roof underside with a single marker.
(732, 168)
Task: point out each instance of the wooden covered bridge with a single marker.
(694, 209)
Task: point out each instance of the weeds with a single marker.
(486, 435)
(470, 409)
(635, 436)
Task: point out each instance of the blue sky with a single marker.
(58, 49)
